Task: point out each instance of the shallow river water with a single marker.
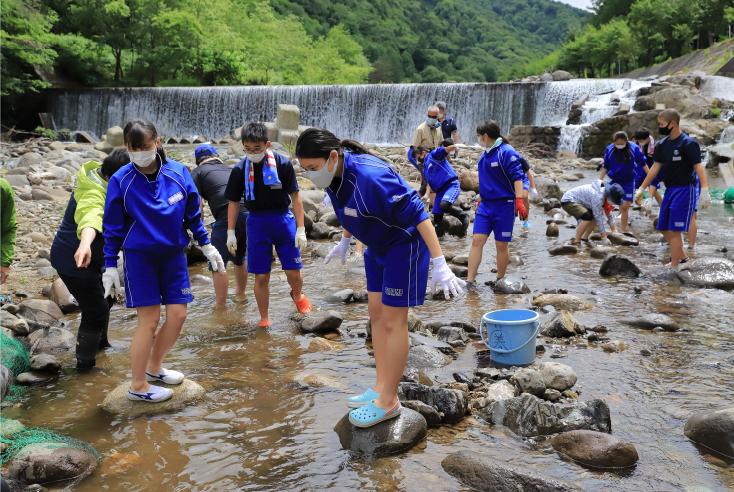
(261, 428)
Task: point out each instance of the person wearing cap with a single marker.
(211, 177)
(591, 204)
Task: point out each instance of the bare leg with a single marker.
(503, 257)
(148, 318)
(167, 336)
(262, 294)
(675, 241)
(693, 231)
(221, 285)
(390, 334)
(589, 229)
(653, 192)
(625, 209)
(581, 230)
(240, 275)
(379, 343)
(526, 201)
(295, 280)
(475, 254)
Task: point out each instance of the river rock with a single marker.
(40, 310)
(51, 341)
(411, 375)
(552, 395)
(616, 264)
(450, 334)
(562, 325)
(713, 429)
(414, 325)
(36, 464)
(502, 390)
(30, 159)
(552, 230)
(600, 252)
(653, 320)
(116, 401)
(462, 259)
(433, 418)
(17, 180)
(452, 403)
(529, 416)
(529, 381)
(320, 230)
(321, 321)
(707, 272)
(341, 296)
(562, 249)
(595, 449)
(510, 285)
(330, 219)
(6, 381)
(453, 226)
(489, 475)
(424, 356)
(561, 76)
(33, 378)
(322, 250)
(45, 363)
(360, 296)
(7, 319)
(557, 376)
(319, 344)
(566, 302)
(620, 239)
(547, 188)
(516, 260)
(62, 297)
(469, 181)
(115, 136)
(392, 436)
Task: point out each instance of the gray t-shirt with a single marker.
(211, 180)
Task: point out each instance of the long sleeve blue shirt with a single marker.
(437, 169)
(151, 216)
(617, 169)
(375, 204)
(498, 171)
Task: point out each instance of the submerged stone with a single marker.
(595, 449)
(615, 264)
(37, 464)
(563, 249)
(707, 272)
(510, 285)
(652, 321)
(566, 302)
(51, 341)
(187, 392)
(713, 429)
(451, 403)
(391, 436)
(321, 321)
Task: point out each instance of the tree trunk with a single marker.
(711, 38)
(118, 64)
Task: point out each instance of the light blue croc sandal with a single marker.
(363, 399)
(370, 414)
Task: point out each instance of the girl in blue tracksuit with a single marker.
(442, 180)
(500, 191)
(621, 160)
(149, 205)
(376, 206)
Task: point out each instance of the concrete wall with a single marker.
(596, 137)
(522, 135)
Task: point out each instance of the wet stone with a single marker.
(600, 252)
(529, 381)
(502, 390)
(319, 344)
(451, 403)
(33, 378)
(51, 341)
(433, 418)
(45, 363)
(450, 334)
(360, 296)
(707, 272)
(462, 259)
(616, 264)
(562, 324)
(188, 391)
(595, 449)
(321, 321)
(557, 376)
(341, 296)
(391, 436)
(411, 375)
(38, 465)
(713, 429)
(565, 302)
(552, 230)
(653, 320)
(510, 285)
(563, 249)
(613, 346)
(620, 239)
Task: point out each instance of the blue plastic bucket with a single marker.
(511, 335)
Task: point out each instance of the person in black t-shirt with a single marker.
(211, 177)
(268, 182)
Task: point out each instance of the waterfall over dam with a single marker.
(368, 113)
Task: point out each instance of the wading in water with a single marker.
(621, 161)
(379, 208)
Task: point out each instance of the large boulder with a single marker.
(320, 230)
(30, 159)
(116, 401)
(452, 403)
(707, 272)
(469, 181)
(62, 297)
(529, 416)
(490, 475)
(561, 76)
(557, 376)
(322, 321)
(330, 219)
(562, 325)
(595, 449)
(615, 264)
(392, 436)
(37, 464)
(288, 116)
(653, 320)
(17, 180)
(713, 429)
(566, 302)
(115, 137)
(40, 310)
(547, 188)
(620, 239)
(53, 340)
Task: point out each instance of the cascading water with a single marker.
(727, 136)
(718, 87)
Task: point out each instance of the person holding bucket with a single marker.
(501, 197)
(375, 204)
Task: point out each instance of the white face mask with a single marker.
(431, 121)
(143, 158)
(620, 147)
(322, 178)
(256, 157)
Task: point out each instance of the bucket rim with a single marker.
(534, 319)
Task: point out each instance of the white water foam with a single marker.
(718, 87)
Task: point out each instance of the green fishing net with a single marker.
(14, 356)
(21, 440)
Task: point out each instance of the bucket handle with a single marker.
(483, 324)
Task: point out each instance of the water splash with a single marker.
(718, 87)
(570, 138)
(727, 136)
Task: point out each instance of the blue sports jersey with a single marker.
(498, 170)
(678, 157)
(617, 169)
(437, 169)
(375, 204)
(151, 216)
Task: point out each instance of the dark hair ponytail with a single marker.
(492, 129)
(320, 142)
(139, 132)
(626, 153)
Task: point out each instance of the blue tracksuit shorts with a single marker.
(448, 193)
(269, 228)
(698, 195)
(219, 240)
(152, 279)
(400, 273)
(526, 183)
(496, 216)
(629, 189)
(677, 208)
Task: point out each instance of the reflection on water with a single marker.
(262, 428)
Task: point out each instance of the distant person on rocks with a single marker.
(268, 182)
(646, 143)
(428, 134)
(150, 204)
(211, 177)
(8, 228)
(448, 125)
(621, 159)
(679, 158)
(78, 257)
(442, 179)
(591, 204)
(375, 204)
(500, 191)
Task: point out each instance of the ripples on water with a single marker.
(262, 428)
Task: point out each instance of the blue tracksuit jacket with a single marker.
(151, 217)
(437, 170)
(498, 171)
(375, 204)
(619, 171)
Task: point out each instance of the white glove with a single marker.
(605, 241)
(533, 193)
(704, 201)
(326, 202)
(639, 195)
(215, 259)
(647, 205)
(110, 278)
(231, 242)
(443, 275)
(301, 241)
(340, 249)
